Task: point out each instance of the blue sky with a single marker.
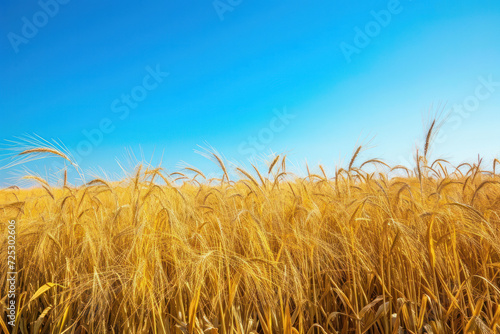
(233, 66)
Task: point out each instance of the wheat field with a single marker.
(369, 249)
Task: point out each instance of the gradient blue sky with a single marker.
(226, 76)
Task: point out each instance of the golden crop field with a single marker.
(370, 249)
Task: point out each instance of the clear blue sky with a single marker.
(72, 66)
